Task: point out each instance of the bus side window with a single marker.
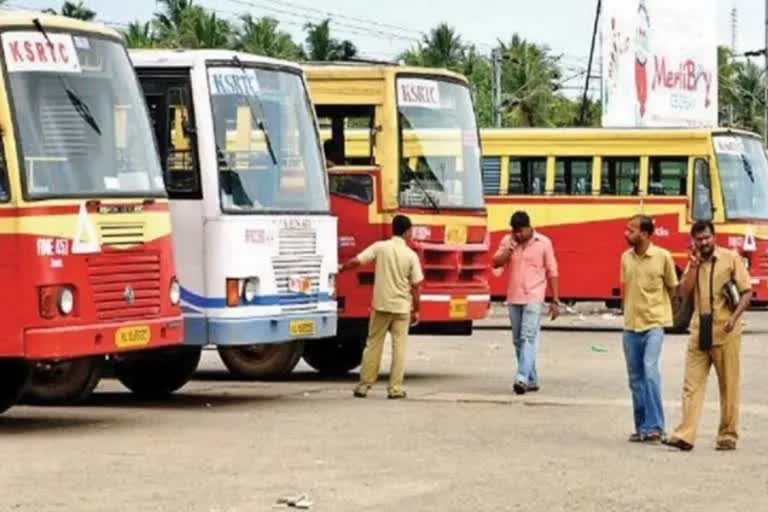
(348, 134)
(702, 191)
(527, 175)
(573, 176)
(170, 107)
(668, 176)
(357, 187)
(620, 176)
(491, 175)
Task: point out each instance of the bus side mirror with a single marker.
(703, 208)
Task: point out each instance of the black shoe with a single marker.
(520, 388)
(532, 388)
(681, 445)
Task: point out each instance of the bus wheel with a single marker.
(157, 373)
(682, 312)
(334, 357)
(63, 382)
(14, 374)
(262, 361)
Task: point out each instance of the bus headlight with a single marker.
(174, 292)
(331, 284)
(66, 301)
(250, 289)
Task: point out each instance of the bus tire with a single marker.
(261, 361)
(334, 357)
(14, 375)
(63, 382)
(682, 312)
(157, 373)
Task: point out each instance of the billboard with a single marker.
(659, 63)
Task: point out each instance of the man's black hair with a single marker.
(400, 225)
(646, 224)
(520, 220)
(701, 226)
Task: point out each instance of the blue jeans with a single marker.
(526, 328)
(642, 351)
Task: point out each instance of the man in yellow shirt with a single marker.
(395, 304)
(715, 335)
(649, 278)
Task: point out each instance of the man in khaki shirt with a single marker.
(395, 304)
(710, 269)
(649, 278)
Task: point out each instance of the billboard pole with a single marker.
(583, 113)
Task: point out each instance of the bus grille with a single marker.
(307, 267)
(298, 242)
(121, 235)
(112, 277)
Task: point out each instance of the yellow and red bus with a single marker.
(402, 140)
(87, 262)
(581, 185)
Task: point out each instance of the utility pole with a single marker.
(583, 114)
(765, 80)
(496, 87)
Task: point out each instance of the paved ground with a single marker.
(460, 442)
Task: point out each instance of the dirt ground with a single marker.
(461, 441)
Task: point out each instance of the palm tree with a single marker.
(529, 77)
(261, 36)
(203, 29)
(140, 35)
(169, 18)
(74, 10)
(443, 48)
(320, 46)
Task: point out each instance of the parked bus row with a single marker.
(156, 203)
(147, 213)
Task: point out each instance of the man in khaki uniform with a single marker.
(395, 305)
(649, 279)
(707, 285)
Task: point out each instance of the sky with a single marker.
(383, 29)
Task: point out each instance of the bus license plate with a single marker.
(126, 337)
(302, 328)
(456, 235)
(457, 308)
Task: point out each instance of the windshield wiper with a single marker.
(423, 189)
(258, 119)
(79, 105)
(747, 168)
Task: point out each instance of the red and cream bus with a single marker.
(87, 262)
(580, 186)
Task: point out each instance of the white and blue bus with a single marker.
(255, 241)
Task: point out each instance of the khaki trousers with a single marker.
(725, 359)
(379, 325)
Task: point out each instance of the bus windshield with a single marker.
(440, 165)
(743, 176)
(266, 141)
(80, 117)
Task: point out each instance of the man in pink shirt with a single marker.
(531, 261)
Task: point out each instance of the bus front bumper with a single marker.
(100, 339)
(200, 330)
(454, 308)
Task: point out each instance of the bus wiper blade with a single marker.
(258, 119)
(747, 168)
(424, 190)
(80, 107)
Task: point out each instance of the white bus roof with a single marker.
(189, 58)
